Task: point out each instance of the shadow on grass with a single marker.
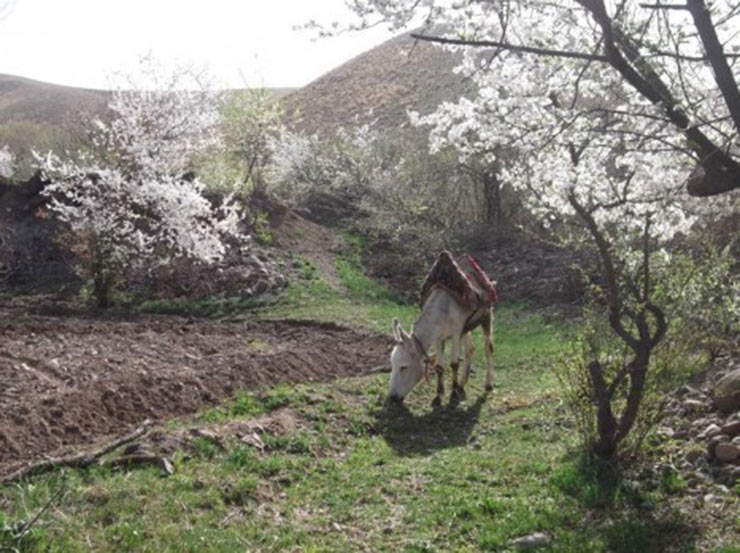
(640, 532)
(626, 519)
(409, 435)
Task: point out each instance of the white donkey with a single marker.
(442, 318)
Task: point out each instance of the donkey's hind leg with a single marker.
(468, 360)
(439, 369)
(487, 328)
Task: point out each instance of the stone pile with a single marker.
(702, 429)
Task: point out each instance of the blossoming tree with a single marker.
(678, 62)
(7, 162)
(599, 113)
(132, 203)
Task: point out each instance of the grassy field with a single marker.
(349, 473)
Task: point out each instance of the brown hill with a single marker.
(381, 84)
(24, 99)
(41, 116)
(33, 101)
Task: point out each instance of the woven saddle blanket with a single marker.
(466, 281)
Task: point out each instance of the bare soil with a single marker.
(68, 382)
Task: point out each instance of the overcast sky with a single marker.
(84, 42)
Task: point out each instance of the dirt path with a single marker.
(315, 243)
(67, 382)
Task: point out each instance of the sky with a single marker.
(84, 43)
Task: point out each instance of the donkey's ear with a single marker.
(397, 330)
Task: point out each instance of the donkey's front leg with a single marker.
(439, 369)
(437, 401)
(457, 391)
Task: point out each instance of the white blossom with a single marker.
(131, 201)
(7, 163)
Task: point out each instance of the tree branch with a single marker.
(684, 57)
(664, 6)
(612, 287)
(511, 47)
(78, 460)
(722, 72)
(721, 172)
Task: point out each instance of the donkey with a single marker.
(442, 318)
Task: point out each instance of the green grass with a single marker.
(356, 474)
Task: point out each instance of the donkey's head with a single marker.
(407, 363)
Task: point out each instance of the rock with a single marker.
(667, 431)
(710, 431)
(538, 539)
(726, 392)
(688, 390)
(715, 441)
(681, 434)
(280, 281)
(166, 466)
(692, 405)
(693, 454)
(726, 452)
(731, 428)
(699, 424)
(730, 474)
(260, 287)
(254, 261)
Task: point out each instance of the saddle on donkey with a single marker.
(466, 281)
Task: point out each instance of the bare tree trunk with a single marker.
(611, 428)
(492, 195)
(606, 425)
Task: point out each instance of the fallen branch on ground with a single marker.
(377, 370)
(78, 460)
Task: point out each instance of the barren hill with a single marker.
(382, 83)
(24, 99)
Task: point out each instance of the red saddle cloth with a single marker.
(480, 281)
(466, 281)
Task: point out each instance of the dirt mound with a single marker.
(68, 382)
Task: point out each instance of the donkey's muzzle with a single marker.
(395, 399)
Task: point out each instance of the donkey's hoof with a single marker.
(457, 395)
(437, 402)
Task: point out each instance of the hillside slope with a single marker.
(381, 84)
(24, 99)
